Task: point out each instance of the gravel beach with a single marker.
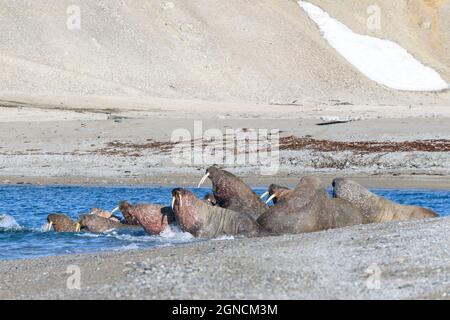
(98, 102)
(402, 260)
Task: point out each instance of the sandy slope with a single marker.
(139, 70)
(259, 51)
(408, 260)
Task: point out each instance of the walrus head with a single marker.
(353, 192)
(211, 173)
(61, 223)
(276, 192)
(232, 193)
(185, 207)
(223, 184)
(126, 208)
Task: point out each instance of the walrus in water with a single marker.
(96, 224)
(101, 213)
(203, 220)
(376, 208)
(128, 218)
(277, 193)
(232, 193)
(309, 209)
(105, 214)
(61, 223)
(153, 218)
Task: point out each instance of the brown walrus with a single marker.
(232, 193)
(203, 220)
(153, 218)
(96, 224)
(61, 223)
(128, 218)
(376, 208)
(309, 209)
(277, 193)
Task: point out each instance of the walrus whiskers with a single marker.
(265, 194)
(270, 198)
(203, 180)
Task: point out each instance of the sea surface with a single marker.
(24, 210)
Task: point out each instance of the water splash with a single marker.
(8, 222)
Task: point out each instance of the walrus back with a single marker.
(221, 221)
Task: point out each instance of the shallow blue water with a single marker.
(30, 205)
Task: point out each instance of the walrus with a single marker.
(309, 209)
(376, 208)
(277, 193)
(153, 218)
(128, 218)
(232, 193)
(206, 221)
(61, 223)
(105, 214)
(96, 224)
(210, 199)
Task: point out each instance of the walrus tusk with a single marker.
(181, 202)
(265, 194)
(78, 227)
(173, 203)
(270, 198)
(49, 226)
(114, 210)
(203, 180)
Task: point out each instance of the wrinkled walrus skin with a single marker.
(232, 193)
(153, 218)
(309, 209)
(207, 221)
(375, 208)
(62, 223)
(95, 224)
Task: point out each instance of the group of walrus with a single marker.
(234, 209)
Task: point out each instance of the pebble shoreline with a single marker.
(412, 258)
